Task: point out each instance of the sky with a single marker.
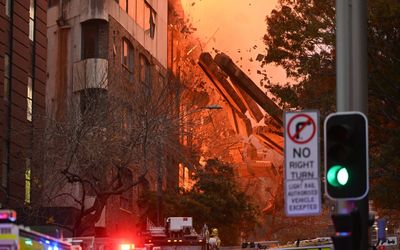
(235, 27)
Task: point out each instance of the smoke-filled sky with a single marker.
(235, 27)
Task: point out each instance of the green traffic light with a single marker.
(337, 176)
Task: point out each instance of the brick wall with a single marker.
(27, 58)
(127, 222)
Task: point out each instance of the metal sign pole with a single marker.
(343, 70)
(343, 55)
(351, 78)
(359, 94)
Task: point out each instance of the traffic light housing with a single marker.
(346, 155)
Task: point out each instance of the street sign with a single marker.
(302, 179)
(390, 241)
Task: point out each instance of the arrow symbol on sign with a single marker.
(300, 126)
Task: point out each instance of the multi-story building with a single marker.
(22, 94)
(94, 46)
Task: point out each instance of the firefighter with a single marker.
(214, 241)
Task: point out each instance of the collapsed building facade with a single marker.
(263, 143)
(250, 124)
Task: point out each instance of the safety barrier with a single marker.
(256, 245)
(322, 247)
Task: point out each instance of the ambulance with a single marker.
(17, 237)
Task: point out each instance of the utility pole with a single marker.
(360, 90)
(351, 81)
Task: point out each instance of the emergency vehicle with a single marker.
(177, 234)
(102, 243)
(17, 237)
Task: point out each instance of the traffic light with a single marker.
(346, 155)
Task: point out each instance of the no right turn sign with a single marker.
(302, 179)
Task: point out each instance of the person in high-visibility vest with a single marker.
(205, 232)
(214, 241)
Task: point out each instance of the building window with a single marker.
(51, 3)
(90, 36)
(29, 97)
(181, 175)
(127, 57)
(94, 39)
(129, 6)
(140, 13)
(132, 8)
(146, 17)
(149, 20)
(145, 74)
(6, 76)
(124, 5)
(28, 181)
(185, 181)
(32, 20)
(8, 8)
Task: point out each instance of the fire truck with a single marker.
(177, 234)
(17, 237)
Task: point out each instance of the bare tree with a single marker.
(106, 143)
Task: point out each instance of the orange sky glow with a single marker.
(235, 27)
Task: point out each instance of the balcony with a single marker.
(93, 9)
(90, 73)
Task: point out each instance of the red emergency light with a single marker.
(126, 246)
(8, 215)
